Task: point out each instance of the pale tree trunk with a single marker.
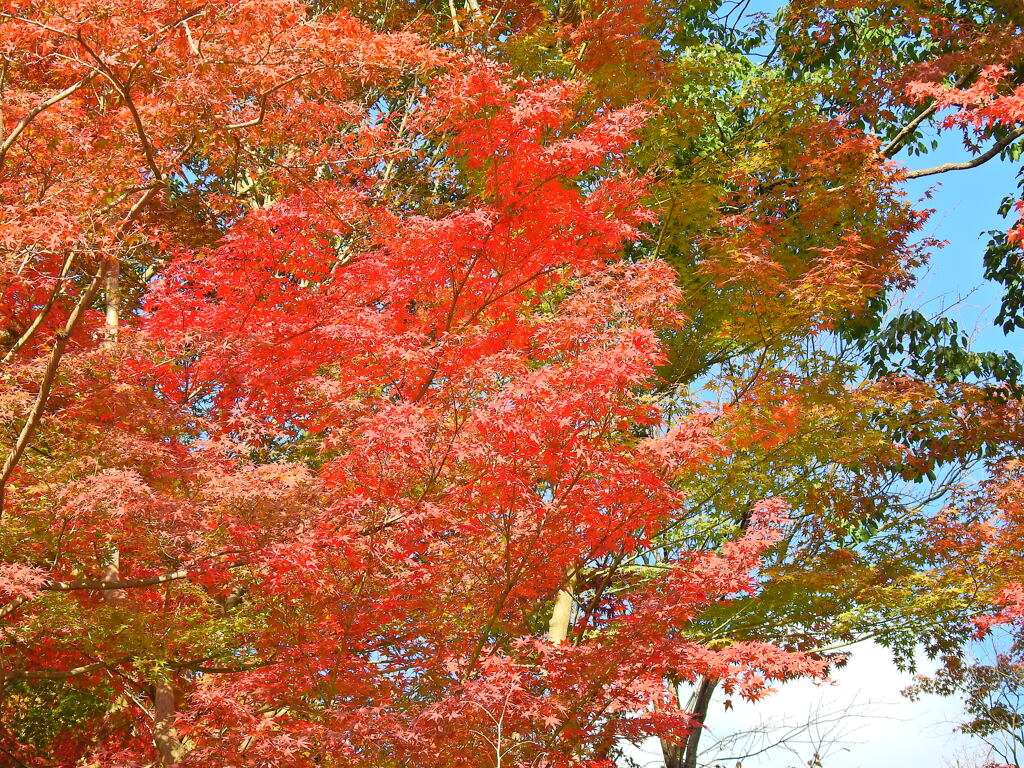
(112, 300)
(112, 297)
(561, 613)
(112, 573)
(456, 27)
(165, 739)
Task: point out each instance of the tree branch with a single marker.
(26, 337)
(56, 353)
(266, 95)
(104, 585)
(54, 674)
(36, 110)
(900, 138)
(99, 584)
(12, 606)
(122, 88)
(74, 87)
(998, 147)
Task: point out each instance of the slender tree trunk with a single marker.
(684, 755)
(673, 754)
(112, 299)
(165, 738)
(561, 613)
(704, 693)
(112, 573)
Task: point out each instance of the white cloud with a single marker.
(859, 720)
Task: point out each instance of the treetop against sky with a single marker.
(394, 384)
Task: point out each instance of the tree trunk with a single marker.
(684, 755)
(673, 754)
(561, 613)
(112, 299)
(168, 746)
(112, 573)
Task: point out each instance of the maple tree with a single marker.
(394, 387)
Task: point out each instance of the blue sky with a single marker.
(966, 204)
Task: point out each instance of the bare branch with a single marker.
(998, 147)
